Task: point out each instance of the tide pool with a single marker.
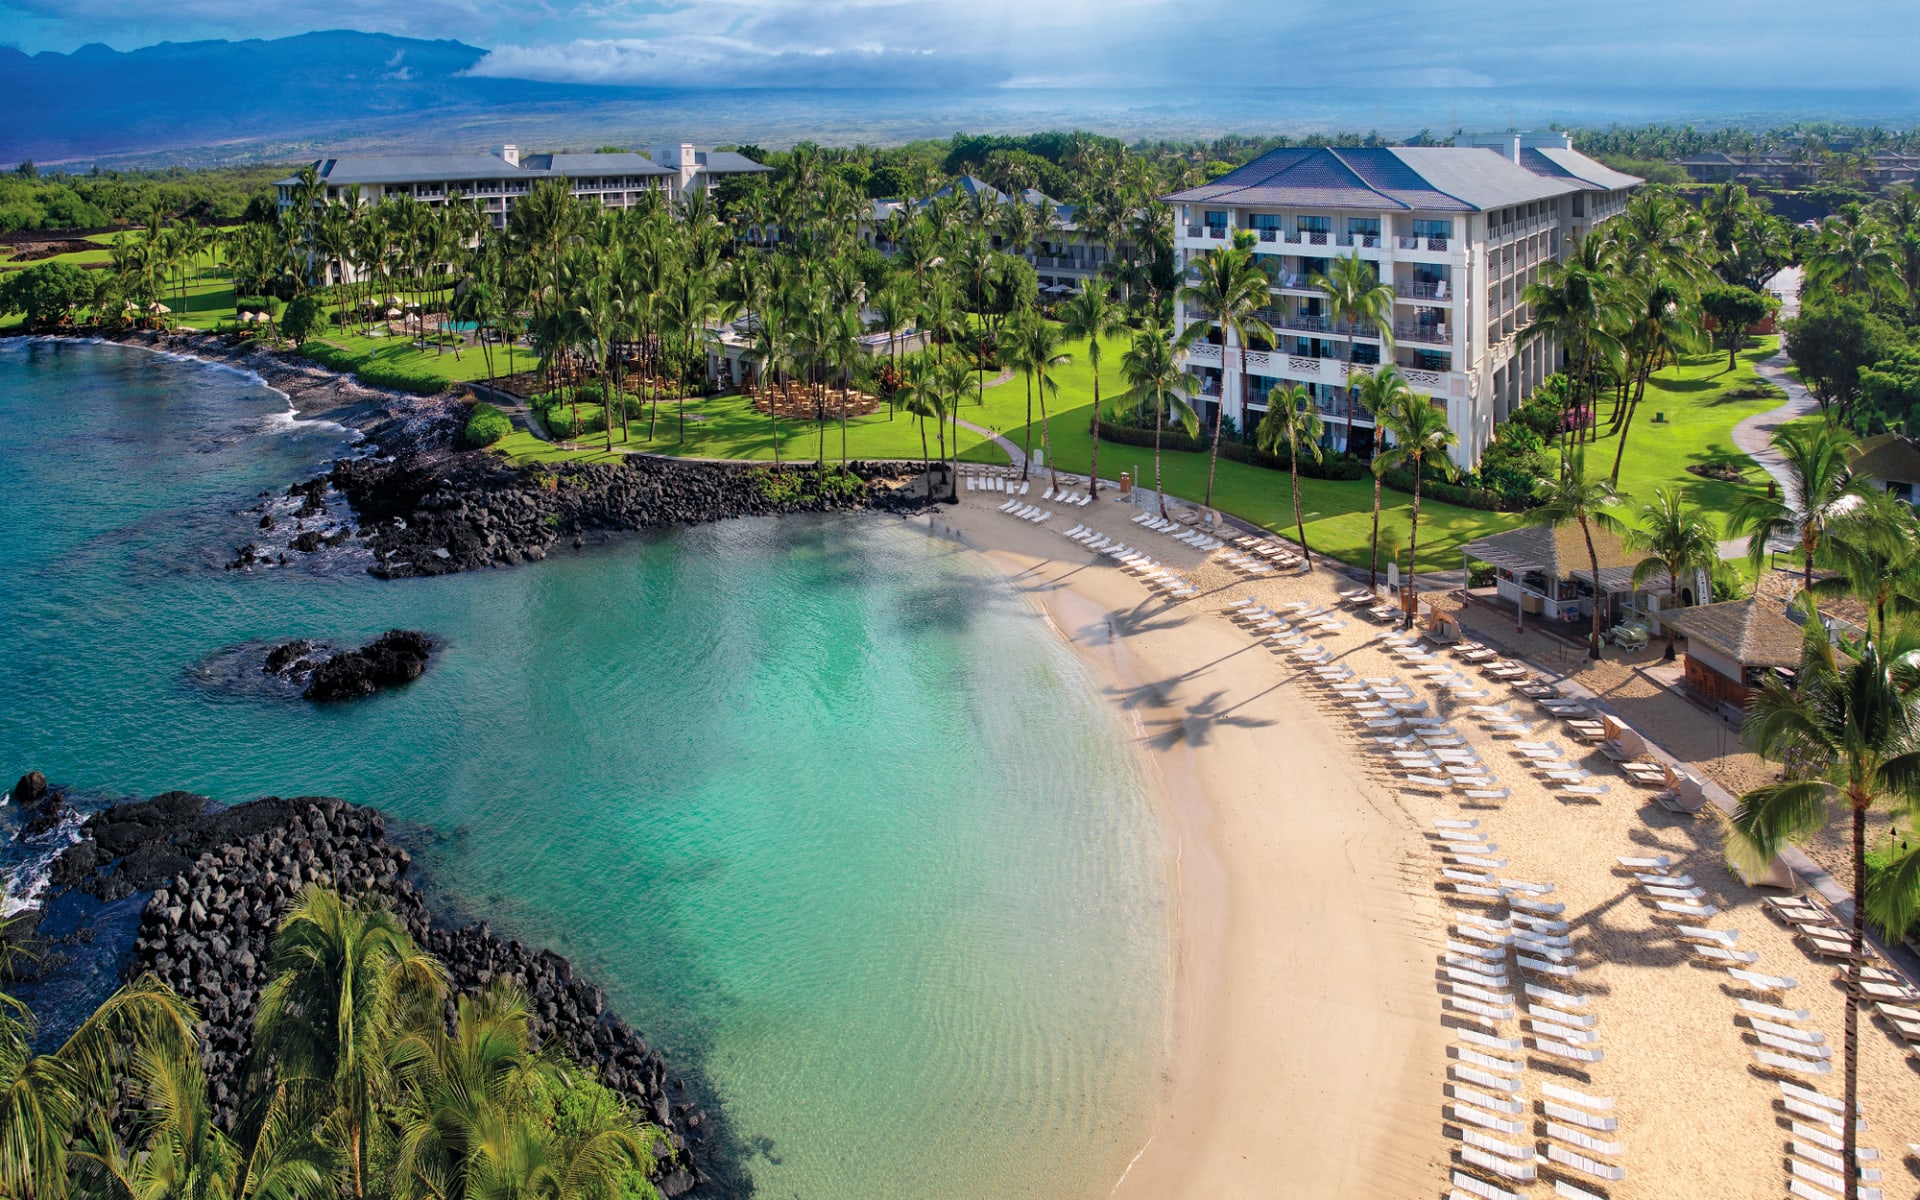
(831, 814)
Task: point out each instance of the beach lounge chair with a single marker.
(1722, 937)
(1470, 1115)
(1453, 823)
(1798, 910)
(1773, 1011)
(1788, 1062)
(1524, 1172)
(1544, 1012)
(1765, 983)
(1580, 1162)
(1573, 1116)
(1541, 966)
(1788, 1033)
(1469, 1073)
(1581, 1140)
(1720, 954)
(1692, 909)
(1794, 1046)
(1492, 1145)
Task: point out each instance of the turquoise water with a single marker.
(826, 808)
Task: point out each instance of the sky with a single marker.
(1846, 44)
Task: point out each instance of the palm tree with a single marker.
(1571, 496)
(345, 981)
(1664, 326)
(1876, 551)
(1230, 287)
(1421, 437)
(1092, 314)
(1820, 490)
(1850, 729)
(1037, 347)
(1855, 256)
(1355, 295)
(1676, 542)
(1573, 303)
(1152, 367)
(1292, 420)
(45, 1097)
(1381, 392)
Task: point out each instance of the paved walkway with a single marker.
(1755, 434)
(1014, 453)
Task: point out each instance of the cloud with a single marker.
(1203, 44)
(729, 62)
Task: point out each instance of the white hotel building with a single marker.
(1459, 232)
(499, 179)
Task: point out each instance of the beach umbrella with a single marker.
(394, 301)
(392, 313)
(157, 307)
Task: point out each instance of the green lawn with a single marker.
(1698, 429)
(729, 427)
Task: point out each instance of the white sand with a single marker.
(1312, 1046)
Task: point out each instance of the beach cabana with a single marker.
(1891, 463)
(1731, 648)
(1544, 569)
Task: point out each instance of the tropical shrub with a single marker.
(48, 293)
(1334, 464)
(486, 426)
(303, 317)
(415, 380)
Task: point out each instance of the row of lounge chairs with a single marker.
(996, 483)
(1067, 498)
(1487, 1077)
(1274, 554)
(1177, 531)
(1155, 575)
(1782, 1042)
(1026, 512)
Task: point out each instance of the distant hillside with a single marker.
(188, 99)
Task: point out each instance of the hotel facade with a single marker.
(1458, 232)
(501, 178)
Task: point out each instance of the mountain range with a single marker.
(202, 102)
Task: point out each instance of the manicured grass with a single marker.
(730, 427)
(1338, 514)
(430, 359)
(1698, 429)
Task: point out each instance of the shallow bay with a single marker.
(827, 809)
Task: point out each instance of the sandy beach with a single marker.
(1312, 1044)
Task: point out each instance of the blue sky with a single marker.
(1637, 43)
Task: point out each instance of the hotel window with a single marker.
(1216, 220)
(1363, 226)
(1266, 221)
(1433, 229)
(1313, 224)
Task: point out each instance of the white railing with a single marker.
(1431, 380)
(1303, 366)
(1204, 352)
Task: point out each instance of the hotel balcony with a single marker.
(1328, 368)
(1417, 289)
(1422, 333)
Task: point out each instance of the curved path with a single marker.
(1755, 434)
(1014, 454)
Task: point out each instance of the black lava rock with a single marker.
(395, 657)
(435, 515)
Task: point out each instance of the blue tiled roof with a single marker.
(1424, 178)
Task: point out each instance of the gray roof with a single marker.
(1483, 178)
(1556, 551)
(582, 166)
(713, 162)
(1889, 458)
(1571, 164)
(1373, 178)
(411, 168)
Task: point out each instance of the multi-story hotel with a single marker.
(498, 180)
(1457, 231)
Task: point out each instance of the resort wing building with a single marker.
(497, 180)
(1457, 231)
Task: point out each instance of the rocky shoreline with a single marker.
(218, 880)
(435, 515)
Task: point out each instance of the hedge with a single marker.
(1400, 479)
(1335, 464)
(375, 373)
(486, 426)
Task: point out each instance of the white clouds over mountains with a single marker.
(948, 43)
